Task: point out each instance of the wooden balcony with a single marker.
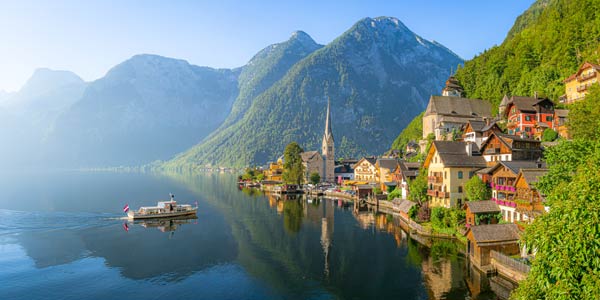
(586, 76)
(435, 179)
(431, 193)
(438, 194)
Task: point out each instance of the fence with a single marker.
(510, 262)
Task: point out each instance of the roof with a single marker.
(454, 154)
(504, 101)
(458, 106)
(308, 155)
(494, 234)
(490, 126)
(587, 65)
(478, 207)
(507, 140)
(370, 159)
(526, 104)
(477, 126)
(403, 205)
(516, 165)
(390, 183)
(561, 112)
(532, 175)
(387, 163)
(485, 170)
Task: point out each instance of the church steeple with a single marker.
(328, 133)
(328, 149)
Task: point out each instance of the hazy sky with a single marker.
(90, 37)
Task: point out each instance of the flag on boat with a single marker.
(126, 208)
(126, 227)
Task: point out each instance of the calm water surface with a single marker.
(62, 236)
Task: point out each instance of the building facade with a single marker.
(445, 115)
(577, 85)
(529, 117)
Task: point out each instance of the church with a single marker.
(323, 163)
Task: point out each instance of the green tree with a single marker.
(293, 170)
(315, 178)
(567, 239)
(549, 135)
(476, 189)
(418, 188)
(396, 193)
(584, 116)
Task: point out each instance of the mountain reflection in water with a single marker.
(243, 245)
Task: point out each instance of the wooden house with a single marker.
(405, 172)
(477, 131)
(481, 212)
(384, 168)
(530, 202)
(561, 117)
(504, 147)
(482, 239)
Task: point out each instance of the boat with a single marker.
(164, 209)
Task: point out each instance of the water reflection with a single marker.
(164, 224)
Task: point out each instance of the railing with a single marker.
(443, 195)
(504, 188)
(510, 262)
(508, 203)
(492, 151)
(431, 193)
(587, 76)
(583, 87)
(434, 179)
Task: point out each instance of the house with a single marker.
(365, 170)
(384, 168)
(404, 172)
(576, 85)
(477, 131)
(446, 115)
(528, 117)
(481, 212)
(412, 147)
(344, 170)
(363, 190)
(449, 166)
(275, 171)
(560, 122)
(504, 147)
(482, 239)
(530, 202)
(504, 178)
(313, 163)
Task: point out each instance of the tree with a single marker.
(315, 178)
(476, 189)
(396, 193)
(293, 170)
(584, 116)
(549, 135)
(567, 262)
(418, 188)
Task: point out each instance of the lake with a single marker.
(63, 236)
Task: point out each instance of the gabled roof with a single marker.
(531, 176)
(507, 140)
(491, 126)
(504, 101)
(457, 106)
(516, 165)
(479, 207)
(476, 125)
(408, 169)
(387, 163)
(370, 159)
(309, 155)
(587, 65)
(495, 234)
(454, 154)
(525, 104)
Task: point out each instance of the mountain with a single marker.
(27, 116)
(146, 108)
(378, 75)
(267, 67)
(547, 43)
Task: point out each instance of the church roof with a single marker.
(328, 132)
(458, 107)
(309, 155)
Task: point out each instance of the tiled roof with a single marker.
(387, 163)
(457, 106)
(495, 234)
(403, 205)
(516, 165)
(454, 154)
(533, 175)
(308, 155)
(478, 207)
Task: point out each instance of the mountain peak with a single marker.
(45, 79)
(303, 38)
(384, 22)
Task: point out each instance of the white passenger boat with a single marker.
(164, 209)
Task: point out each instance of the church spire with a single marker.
(328, 132)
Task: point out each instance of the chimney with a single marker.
(469, 148)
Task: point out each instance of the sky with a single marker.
(90, 37)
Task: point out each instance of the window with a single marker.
(470, 174)
(460, 175)
(527, 129)
(527, 118)
(548, 118)
(460, 189)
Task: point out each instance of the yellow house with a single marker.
(576, 85)
(365, 170)
(384, 168)
(449, 166)
(275, 170)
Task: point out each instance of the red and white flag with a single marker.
(126, 208)
(126, 227)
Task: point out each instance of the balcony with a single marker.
(438, 194)
(585, 77)
(508, 203)
(431, 193)
(492, 151)
(504, 188)
(583, 87)
(435, 179)
(443, 195)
